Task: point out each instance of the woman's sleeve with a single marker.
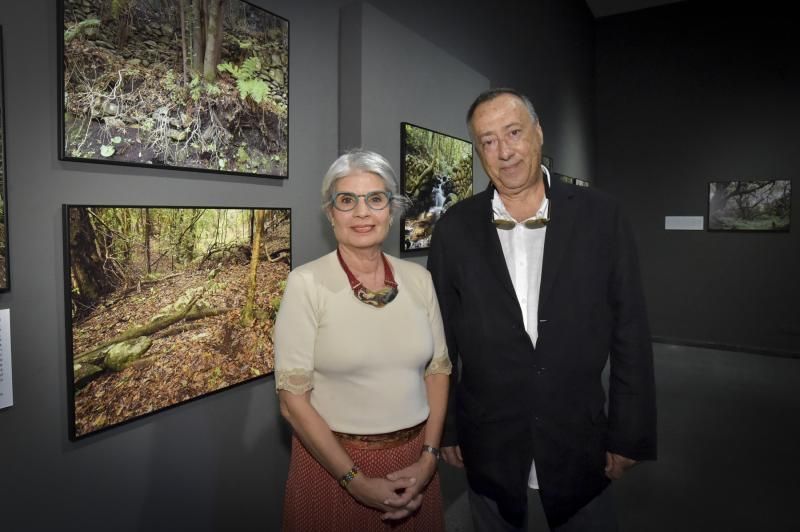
(294, 336)
(440, 362)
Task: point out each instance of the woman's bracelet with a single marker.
(433, 450)
(350, 475)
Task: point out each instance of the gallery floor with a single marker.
(729, 449)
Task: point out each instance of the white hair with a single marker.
(364, 161)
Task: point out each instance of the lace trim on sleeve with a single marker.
(439, 365)
(296, 380)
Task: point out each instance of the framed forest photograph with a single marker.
(189, 84)
(5, 283)
(764, 205)
(435, 173)
(167, 304)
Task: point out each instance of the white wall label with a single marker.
(6, 391)
(683, 223)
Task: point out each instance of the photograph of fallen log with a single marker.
(435, 173)
(165, 305)
(187, 84)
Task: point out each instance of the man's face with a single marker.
(509, 144)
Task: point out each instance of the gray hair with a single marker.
(364, 161)
(491, 94)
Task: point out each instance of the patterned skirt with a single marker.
(315, 502)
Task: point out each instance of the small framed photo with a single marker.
(563, 178)
(759, 205)
(435, 173)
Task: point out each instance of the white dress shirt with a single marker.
(523, 249)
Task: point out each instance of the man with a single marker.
(539, 285)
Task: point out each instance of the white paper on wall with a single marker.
(6, 391)
(683, 223)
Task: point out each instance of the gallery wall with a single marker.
(383, 83)
(218, 463)
(688, 94)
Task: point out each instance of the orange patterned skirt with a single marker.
(315, 502)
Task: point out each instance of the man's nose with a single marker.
(504, 150)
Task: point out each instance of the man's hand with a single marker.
(452, 456)
(616, 465)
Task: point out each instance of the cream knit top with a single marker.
(365, 366)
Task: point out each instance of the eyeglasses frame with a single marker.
(366, 196)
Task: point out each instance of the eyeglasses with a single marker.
(530, 223)
(376, 200)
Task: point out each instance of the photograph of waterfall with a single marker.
(435, 173)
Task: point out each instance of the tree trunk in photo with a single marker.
(86, 266)
(121, 11)
(252, 222)
(213, 41)
(220, 31)
(182, 9)
(248, 313)
(198, 36)
(147, 229)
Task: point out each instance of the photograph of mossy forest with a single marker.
(190, 84)
(436, 173)
(763, 205)
(165, 305)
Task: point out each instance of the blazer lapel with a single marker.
(490, 242)
(563, 215)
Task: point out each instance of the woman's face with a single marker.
(361, 228)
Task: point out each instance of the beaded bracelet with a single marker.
(350, 475)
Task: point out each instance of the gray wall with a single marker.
(217, 463)
(387, 83)
(544, 48)
(688, 94)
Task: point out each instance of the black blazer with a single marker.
(513, 403)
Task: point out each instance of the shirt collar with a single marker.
(499, 209)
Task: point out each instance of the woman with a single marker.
(362, 369)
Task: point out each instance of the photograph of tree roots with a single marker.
(191, 84)
(749, 205)
(436, 173)
(165, 305)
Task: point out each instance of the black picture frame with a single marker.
(153, 340)
(5, 269)
(563, 178)
(435, 173)
(132, 91)
(547, 161)
(763, 205)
